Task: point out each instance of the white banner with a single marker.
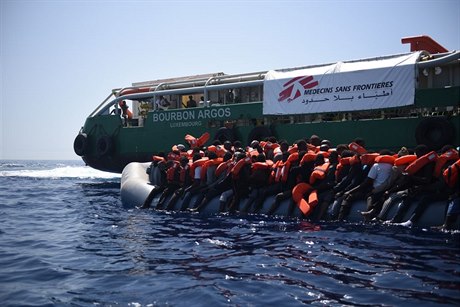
(364, 85)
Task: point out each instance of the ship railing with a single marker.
(215, 82)
(220, 82)
(101, 106)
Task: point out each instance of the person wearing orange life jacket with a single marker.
(189, 183)
(416, 177)
(226, 187)
(258, 179)
(158, 168)
(438, 190)
(348, 175)
(299, 167)
(380, 176)
(269, 148)
(126, 113)
(379, 207)
(202, 178)
(177, 176)
(208, 176)
(365, 182)
(276, 184)
(240, 181)
(222, 184)
(303, 193)
(451, 176)
(324, 186)
(358, 145)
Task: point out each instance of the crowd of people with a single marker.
(320, 179)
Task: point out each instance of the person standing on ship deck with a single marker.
(191, 103)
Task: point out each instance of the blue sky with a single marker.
(60, 59)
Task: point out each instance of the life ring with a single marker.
(435, 132)
(259, 133)
(80, 144)
(225, 134)
(104, 145)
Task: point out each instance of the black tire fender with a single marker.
(225, 134)
(104, 145)
(259, 133)
(435, 132)
(80, 144)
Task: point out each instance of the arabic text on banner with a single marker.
(341, 87)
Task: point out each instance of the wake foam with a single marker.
(79, 172)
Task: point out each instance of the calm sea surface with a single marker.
(66, 239)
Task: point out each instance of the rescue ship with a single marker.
(389, 101)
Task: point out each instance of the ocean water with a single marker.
(66, 239)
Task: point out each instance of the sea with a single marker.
(67, 240)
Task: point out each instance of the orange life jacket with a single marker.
(224, 167)
(293, 149)
(319, 172)
(125, 110)
(385, 159)
(171, 171)
(207, 164)
(262, 165)
(270, 146)
(345, 161)
(184, 171)
(357, 148)
(450, 155)
(298, 193)
(281, 170)
(284, 172)
(405, 160)
(324, 153)
(239, 166)
(451, 174)
(310, 156)
(418, 164)
(197, 163)
(312, 147)
(194, 142)
(173, 156)
(368, 158)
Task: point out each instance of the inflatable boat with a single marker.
(136, 187)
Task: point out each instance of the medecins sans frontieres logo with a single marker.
(294, 87)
